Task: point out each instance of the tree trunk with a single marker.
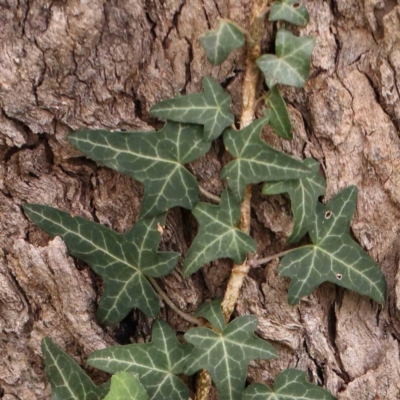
(67, 64)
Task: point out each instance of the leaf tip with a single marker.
(26, 207)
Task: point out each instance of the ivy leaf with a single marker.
(279, 116)
(212, 312)
(126, 386)
(304, 195)
(289, 385)
(334, 256)
(155, 158)
(256, 161)
(226, 355)
(211, 109)
(218, 235)
(156, 363)
(218, 44)
(123, 261)
(292, 11)
(291, 64)
(67, 379)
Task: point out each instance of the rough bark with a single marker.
(69, 64)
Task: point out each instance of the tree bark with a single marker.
(103, 64)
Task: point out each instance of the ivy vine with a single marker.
(129, 263)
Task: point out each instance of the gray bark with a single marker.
(103, 64)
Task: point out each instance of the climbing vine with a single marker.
(218, 347)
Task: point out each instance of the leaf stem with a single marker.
(187, 317)
(265, 11)
(257, 262)
(209, 195)
(259, 100)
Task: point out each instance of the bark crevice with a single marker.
(66, 66)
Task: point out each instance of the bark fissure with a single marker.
(75, 67)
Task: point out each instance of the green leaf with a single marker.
(279, 116)
(155, 158)
(126, 386)
(291, 64)
(157, 363)
(292, 11)
(211, 109)
(256, 161)
(67, 379)
(218, 44)
(334, 256)
(218, 235)
(212, 312)
(304, 195)
(226, 355)
(289, 385)
(123, 261)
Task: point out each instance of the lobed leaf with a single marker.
(212, 312)
(126, 386)
(226, 355)
(334, 256)
(67, 379)
(289, 385)
(292, 11)
(218, 235)
(218, 44)
(123, 261)
(304, 195)
(155, 158)
(256, 161)
(157, 363)
(278, 116)
(291, 64)
(210, 108)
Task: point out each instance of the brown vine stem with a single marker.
(187, 317)
(251, 78)
(239, 272)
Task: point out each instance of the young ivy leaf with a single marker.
(123, 261)
(67, 379)
(291, 64)
(279, 116)
(155, 158)
(157, 363)
(256, 161)
(292, 11)
(304, 195)
(334, 256)
(126, 386)
(218, 235)
(212, 312)
(218, 44)
(226, 355)
(211, 109)
(291, 384)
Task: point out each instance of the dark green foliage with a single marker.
(123, 261)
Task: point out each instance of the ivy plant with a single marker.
(291, 384)
(157, 363)
(220, 347)
(126, 386)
